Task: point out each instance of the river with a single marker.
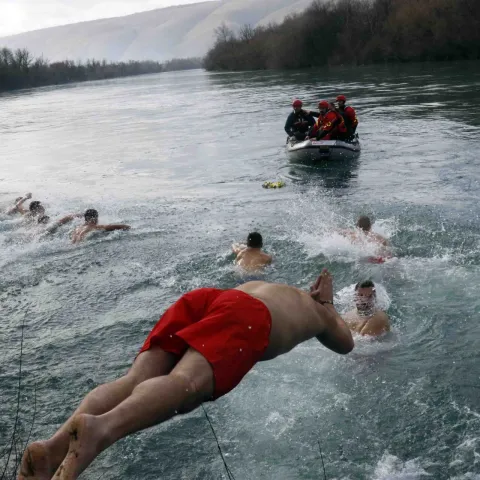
(181, 157)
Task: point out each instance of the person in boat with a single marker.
(365, 318)
(251, 257)
(18, 205)
(199, 350)
(329, 124)
(91, 224)
(299, 121)
(349, 116)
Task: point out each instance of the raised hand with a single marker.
(322, 290)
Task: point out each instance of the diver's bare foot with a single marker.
(87, 440)
(36, 463)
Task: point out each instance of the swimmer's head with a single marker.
(364, 223)
(36, 208)
(43, 219)
(91, 216)
(254, 240)
(365, 295)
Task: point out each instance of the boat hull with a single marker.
(317, 150)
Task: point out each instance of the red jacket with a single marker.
(350, 117)
(332, 122)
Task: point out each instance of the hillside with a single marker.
(161, 34)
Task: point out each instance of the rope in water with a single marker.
(321, 456)
(17, 413)
(229, 473)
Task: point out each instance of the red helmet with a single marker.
(297, 103)
(323, 104)
(341, 98)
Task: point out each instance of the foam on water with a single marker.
(391, 467)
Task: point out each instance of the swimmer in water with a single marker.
(365, 319)
(364, 230)
(199, 350)
(45, 219)
(36, 213)
(18, 205)
(91, 224)
(363, 233)
(251, 257)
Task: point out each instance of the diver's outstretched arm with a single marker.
(110, 228)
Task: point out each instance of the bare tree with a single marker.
(247, 32)
(224, 34)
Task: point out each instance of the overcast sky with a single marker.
(18, 16)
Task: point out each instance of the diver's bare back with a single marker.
(81, 232)
(295, 315)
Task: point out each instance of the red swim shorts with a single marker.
(230, 328)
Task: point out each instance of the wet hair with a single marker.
(364, 284)
(254, 240)
(35, 206)
(91, 214)
(364, 223)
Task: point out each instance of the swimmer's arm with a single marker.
(346, 233)
(18, 205)
(63, 221)
(112, 227)
(377, 325)
(383, 241)
(237, 248)
(336, 335)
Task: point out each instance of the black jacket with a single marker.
(299, 122)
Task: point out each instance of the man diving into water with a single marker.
(366, 319)
(200, 349)
(91, 224)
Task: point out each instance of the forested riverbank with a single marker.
(19, 69)
(354, 32)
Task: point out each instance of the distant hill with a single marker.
(161, 34)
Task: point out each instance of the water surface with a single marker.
(181, 157)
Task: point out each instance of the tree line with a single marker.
(19, 69)
(353, 32)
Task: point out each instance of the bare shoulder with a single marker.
(381, 316)
(268, 258)
(380, 239)
(377, 324)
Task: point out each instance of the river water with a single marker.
(182, 157)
